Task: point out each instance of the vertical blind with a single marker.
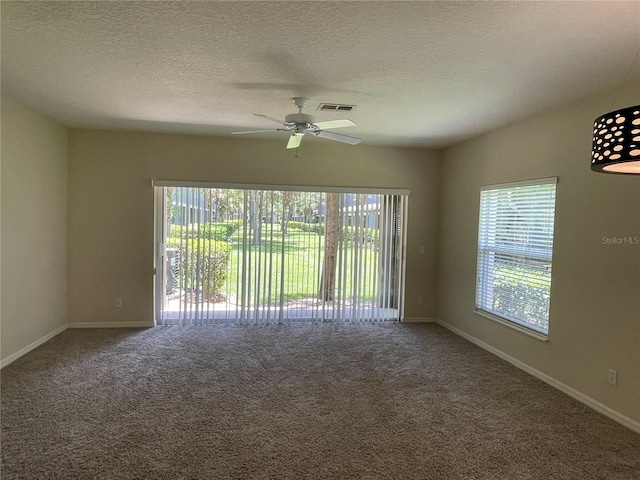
(239, 255)
(515, 246)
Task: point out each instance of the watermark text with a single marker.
(620, 240)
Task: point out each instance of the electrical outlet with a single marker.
(612, 377)
(420, 300)
(118, 303)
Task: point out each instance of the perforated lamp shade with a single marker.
(616, 142)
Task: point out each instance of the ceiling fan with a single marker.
(300, 123)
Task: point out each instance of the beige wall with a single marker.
(111, 205)
(34, 227)
(595, 292)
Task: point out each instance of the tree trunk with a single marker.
(332, 232)
(254, 218)
(287, 209)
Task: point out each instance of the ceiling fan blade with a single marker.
(345, 122)
(270, 118)
(294, 140)
(337, 137)
(259, 131)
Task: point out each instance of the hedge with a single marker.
(369, 237)
(307, 227)
(222, 231)
(532, 297)
(202, 262)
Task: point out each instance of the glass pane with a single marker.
(272, 256)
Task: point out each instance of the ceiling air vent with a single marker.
(335, 107)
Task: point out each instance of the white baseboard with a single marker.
(110, 325)
(581, 397)
(420, 320)
(31, 346)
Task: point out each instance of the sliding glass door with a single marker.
(269, 255)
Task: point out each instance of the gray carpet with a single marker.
(335, 401)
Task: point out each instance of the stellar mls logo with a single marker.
(620, 240)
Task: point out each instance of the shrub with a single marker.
(231, 227)
(531, 295)
(202, 262)
(307, 227)
(221, 231)
(367, 237)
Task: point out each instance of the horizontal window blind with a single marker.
(515, 247)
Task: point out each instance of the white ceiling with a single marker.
(421, 73)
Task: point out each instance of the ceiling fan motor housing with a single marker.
(299, 118)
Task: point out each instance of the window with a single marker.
(263, 254)
(515, 245)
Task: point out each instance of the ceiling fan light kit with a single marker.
(299, 124)
(616, 142)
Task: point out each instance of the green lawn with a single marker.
(303, 253)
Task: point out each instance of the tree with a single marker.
(217, 203)
(332, 234)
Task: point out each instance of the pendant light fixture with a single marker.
(616, 142)
(616, 138)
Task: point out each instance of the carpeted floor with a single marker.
(334, 401)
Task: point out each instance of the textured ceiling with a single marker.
(421, 73)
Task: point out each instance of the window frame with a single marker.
(355, 275)
(529, 254)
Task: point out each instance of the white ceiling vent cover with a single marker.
(335, 107)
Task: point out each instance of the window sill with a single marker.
(538, 336)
